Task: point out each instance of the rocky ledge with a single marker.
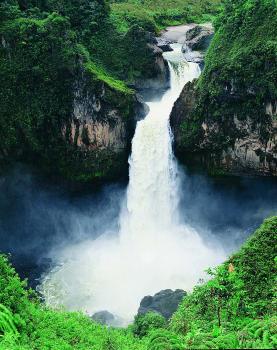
(229, 144)
(198, 39)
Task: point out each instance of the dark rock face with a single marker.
(101, 128)
(181, 112)
(164, 44)
(198, 39)
(160, 79)
(159, 75)
(165, 302)
(226, 144)
(141, 109)
(104, 318)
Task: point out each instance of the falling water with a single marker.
(152, 250)
(153, 188)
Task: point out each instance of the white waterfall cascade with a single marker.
(152, 251)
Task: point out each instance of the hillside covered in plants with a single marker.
(56, 57)
(155, 15)
(235, 309)
(226, 121)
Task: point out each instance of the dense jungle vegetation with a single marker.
(240, 70)
(46, 46)
(244, 48)
(235, 309)
(155, 15)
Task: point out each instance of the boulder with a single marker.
(199, 37)
(160, 79)
(193, 32)
(165, 302)
(104, 318)
(164, 44)
(155, 72)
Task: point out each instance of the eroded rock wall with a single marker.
(228, 144)
(101, 128)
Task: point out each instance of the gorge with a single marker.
(138, 162)
(128, 266)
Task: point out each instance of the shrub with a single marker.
(144, 324)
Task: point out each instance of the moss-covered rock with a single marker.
(227, 120)
(60, 109)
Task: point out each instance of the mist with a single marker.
(105, 248)
(42, 224)
(37, 217)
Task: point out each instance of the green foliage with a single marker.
(43, 52)
(125, 15)
(241, 61)
(127, 56)
(165, 340)
(233, 310)
(7, 325)
(62, 330)
(239, 75)
(14, 294)
(25, 324)
(143, 324)
(155, 15)
(258, 334)
(49, 45)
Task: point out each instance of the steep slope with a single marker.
(64, 108)
(227, 120)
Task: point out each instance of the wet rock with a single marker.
(226, 145)
(193, 32)
(141, 108)
(164, 44)
(165, 302)
(193, 56)
(198, 39)
(104, 318)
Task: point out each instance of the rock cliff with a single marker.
(228, 144)
(226, 121)
(100, 129)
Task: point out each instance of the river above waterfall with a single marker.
(106, 250)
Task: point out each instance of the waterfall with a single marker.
(152, 197)
(152, 250)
